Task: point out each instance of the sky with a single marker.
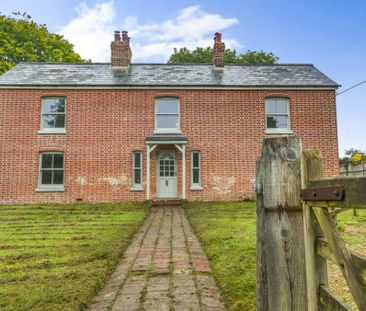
(331, 34)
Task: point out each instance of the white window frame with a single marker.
(47, 130)
(50, 187)
(166, 130)
(279, 130)
(137, 187)
(196, 186)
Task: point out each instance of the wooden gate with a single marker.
(297, 233)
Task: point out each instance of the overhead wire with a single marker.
(350, 88)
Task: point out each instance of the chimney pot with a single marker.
(217, 37)
(117, 36)
(125, 37)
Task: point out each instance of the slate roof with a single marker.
(165, 75)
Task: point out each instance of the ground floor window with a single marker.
(196, 170)
(137, 171)
(51, 170)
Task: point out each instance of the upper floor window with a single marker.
(53, 114)
(277, 115)
(167, 115)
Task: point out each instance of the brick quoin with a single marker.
(104, 127)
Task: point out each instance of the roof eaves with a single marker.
(317, 86)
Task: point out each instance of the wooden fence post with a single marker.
(316, 266)
(281, 273)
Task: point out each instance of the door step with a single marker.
(166, 202)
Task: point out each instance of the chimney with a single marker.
(218, 55)
(120, 50)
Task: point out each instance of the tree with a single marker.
(22, 39)
(353, 156)
(204, 56)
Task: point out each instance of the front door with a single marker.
(166, 184)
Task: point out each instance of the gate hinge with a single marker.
(323, 194)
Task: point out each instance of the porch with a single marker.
(167, 168)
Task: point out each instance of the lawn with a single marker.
(228, 235)
(56, 257)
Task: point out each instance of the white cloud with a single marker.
(92, 30)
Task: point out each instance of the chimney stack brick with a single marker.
(218, 56)
(120, 50)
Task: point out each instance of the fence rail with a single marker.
(297, 233)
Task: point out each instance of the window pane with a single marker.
(277, 121)
(167, 106)
(271, 122)
(48, 121)
(58, 160)
(46, 177)
(59, 121)
(53, 105)
(281, 121)
(58, 177)
(282, 106)
(137, 176)
(196, 159)
(47, 160)
(167, 121)
(196, 176)
(271, 106)
(137, 160)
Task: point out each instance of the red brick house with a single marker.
(123, 132)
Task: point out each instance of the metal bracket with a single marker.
(258, 187)
(323, 194)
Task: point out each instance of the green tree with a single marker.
(22, 39)
(353, 156)
(204, 56)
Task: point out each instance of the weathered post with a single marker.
(281, 274)
(316, 266)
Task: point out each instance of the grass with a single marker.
(353, 230)
(227, 232)
(56, 257)
(228, 235)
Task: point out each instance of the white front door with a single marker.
(166, 181)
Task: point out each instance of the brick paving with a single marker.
(164, 268)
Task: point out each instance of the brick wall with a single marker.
(104, 127)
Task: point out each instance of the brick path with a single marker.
(164, 268)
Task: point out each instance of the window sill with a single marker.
(137, 188)
(168, 131)
(61, 131)
(271, 132)
(40, 189)
(196, 188)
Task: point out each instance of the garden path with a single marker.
(164, 268)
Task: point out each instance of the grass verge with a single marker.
(227, 232)
(56, 257)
